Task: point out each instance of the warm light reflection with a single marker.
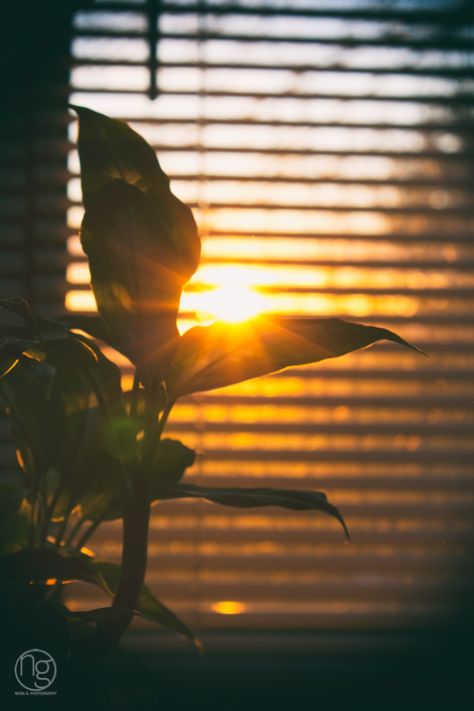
(229, 607)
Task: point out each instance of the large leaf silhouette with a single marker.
(249, 498)
(109, 149)
(208, 357)
(135, 278)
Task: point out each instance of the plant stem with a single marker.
(136, 518)
(64, 522)
(75, 529)
(88, 532)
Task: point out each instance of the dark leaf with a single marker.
(41, 564)
(110, 150)
(102, 496)
(7, 360)
(17, 333)
(95, 482)
(72, 350)
(134, 276)
(92, 325)
(14, 529)
(171, 461)
(214, 356)
(107, 376)
(148, 606)
(21, 308)
(11, 495)
(253, 498)
(23, 334)
(25, 395)
(97, 616)
(38, 328)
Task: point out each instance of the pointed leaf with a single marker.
(21, 308)
(148, 606)
(214, 356)
(253, 498)
(109, 149)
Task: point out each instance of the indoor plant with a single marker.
(89, 452)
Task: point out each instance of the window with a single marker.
(326, 149)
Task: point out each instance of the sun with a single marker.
(232, 303)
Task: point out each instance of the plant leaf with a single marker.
(256, 497)
(148, 606)
(103, 494)
(109, 149)
(15, 528)
(92, 325)
(208, 357)
(41, 564)
(135, 279)
(171, 461)
(23, 334)
(25, 395)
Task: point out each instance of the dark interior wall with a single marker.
(34, 76)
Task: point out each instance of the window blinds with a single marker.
(327, 152)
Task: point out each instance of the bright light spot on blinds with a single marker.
(231, 303)
(229, 607)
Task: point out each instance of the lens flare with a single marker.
(232, 303)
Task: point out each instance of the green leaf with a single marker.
(109, 149)
(253, 498)
(148, 606)
(136, 283)
(214, 356)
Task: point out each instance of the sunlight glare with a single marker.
(232, 303)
